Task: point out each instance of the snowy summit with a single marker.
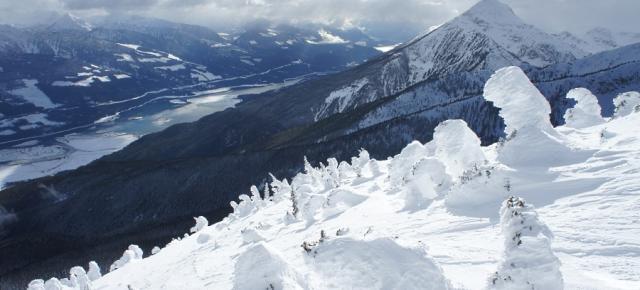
(545, 208)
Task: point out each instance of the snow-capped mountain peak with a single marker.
(486, 37)
(492, 11)
(69, 21)
(530, 44)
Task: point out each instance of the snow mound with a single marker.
(528, 261)
(626, 104)
(133, 253)
(457, 146)
(263, 267)
(78, 279)
(94, 271)
(201, 223)
(587, 111)
(426, 180)
(345, 263)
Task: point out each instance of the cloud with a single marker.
(388, 18)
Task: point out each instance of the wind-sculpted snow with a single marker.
(132, 254)
(432, 217)
(626, 104)
(526, 114)
(521, 105)
(458, 147)
(587, 111)
(376, 264)
(262, 267)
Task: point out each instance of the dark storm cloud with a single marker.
(389, 17)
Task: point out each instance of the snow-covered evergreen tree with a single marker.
(626, 104)
(587, 111)
(528, 261)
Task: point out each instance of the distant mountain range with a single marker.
(70, 73)
(197, 168)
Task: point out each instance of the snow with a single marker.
(32, 94)
(269, 268)
(201, 223)
(121, 76)
(528, 261)
(124, 57)
(81, 83)
(69, 152)
(457, 146)
(246, 61)
(330, 38)
(521, 104)
(132, 254)
(342, 97)
(587, 111)
(33, 121)
(203, 76)
(175, 67)
(626, 103)
(131, 46)
(356, 225)
(154, 59)
(386, 48)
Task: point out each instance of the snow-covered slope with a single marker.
(436, 216)
(599, 39)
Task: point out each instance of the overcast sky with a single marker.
(381, 17)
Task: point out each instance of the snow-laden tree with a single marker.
(426, 180)
(531, 140)
(94, 271)
(133, 253)
(521, 105)
(201, 223)
(586, 112)
(626, 104)
(457, 147)
(79, 277)
(528, 261)
(402, 164)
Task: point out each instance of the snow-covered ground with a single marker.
(32, 94)
(436, 216)
(71, 151)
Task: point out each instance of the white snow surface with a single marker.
(626, 103)
(587, 111)
(32, 94)
(70, 152)
(400, 223)
(521, 104)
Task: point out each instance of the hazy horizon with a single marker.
(392, 20)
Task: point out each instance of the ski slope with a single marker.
(437, 216)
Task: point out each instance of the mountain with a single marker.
(194, 169)
(69, 22)
(440, 215)
(484, 38)
(100, 69)
(600, 39)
